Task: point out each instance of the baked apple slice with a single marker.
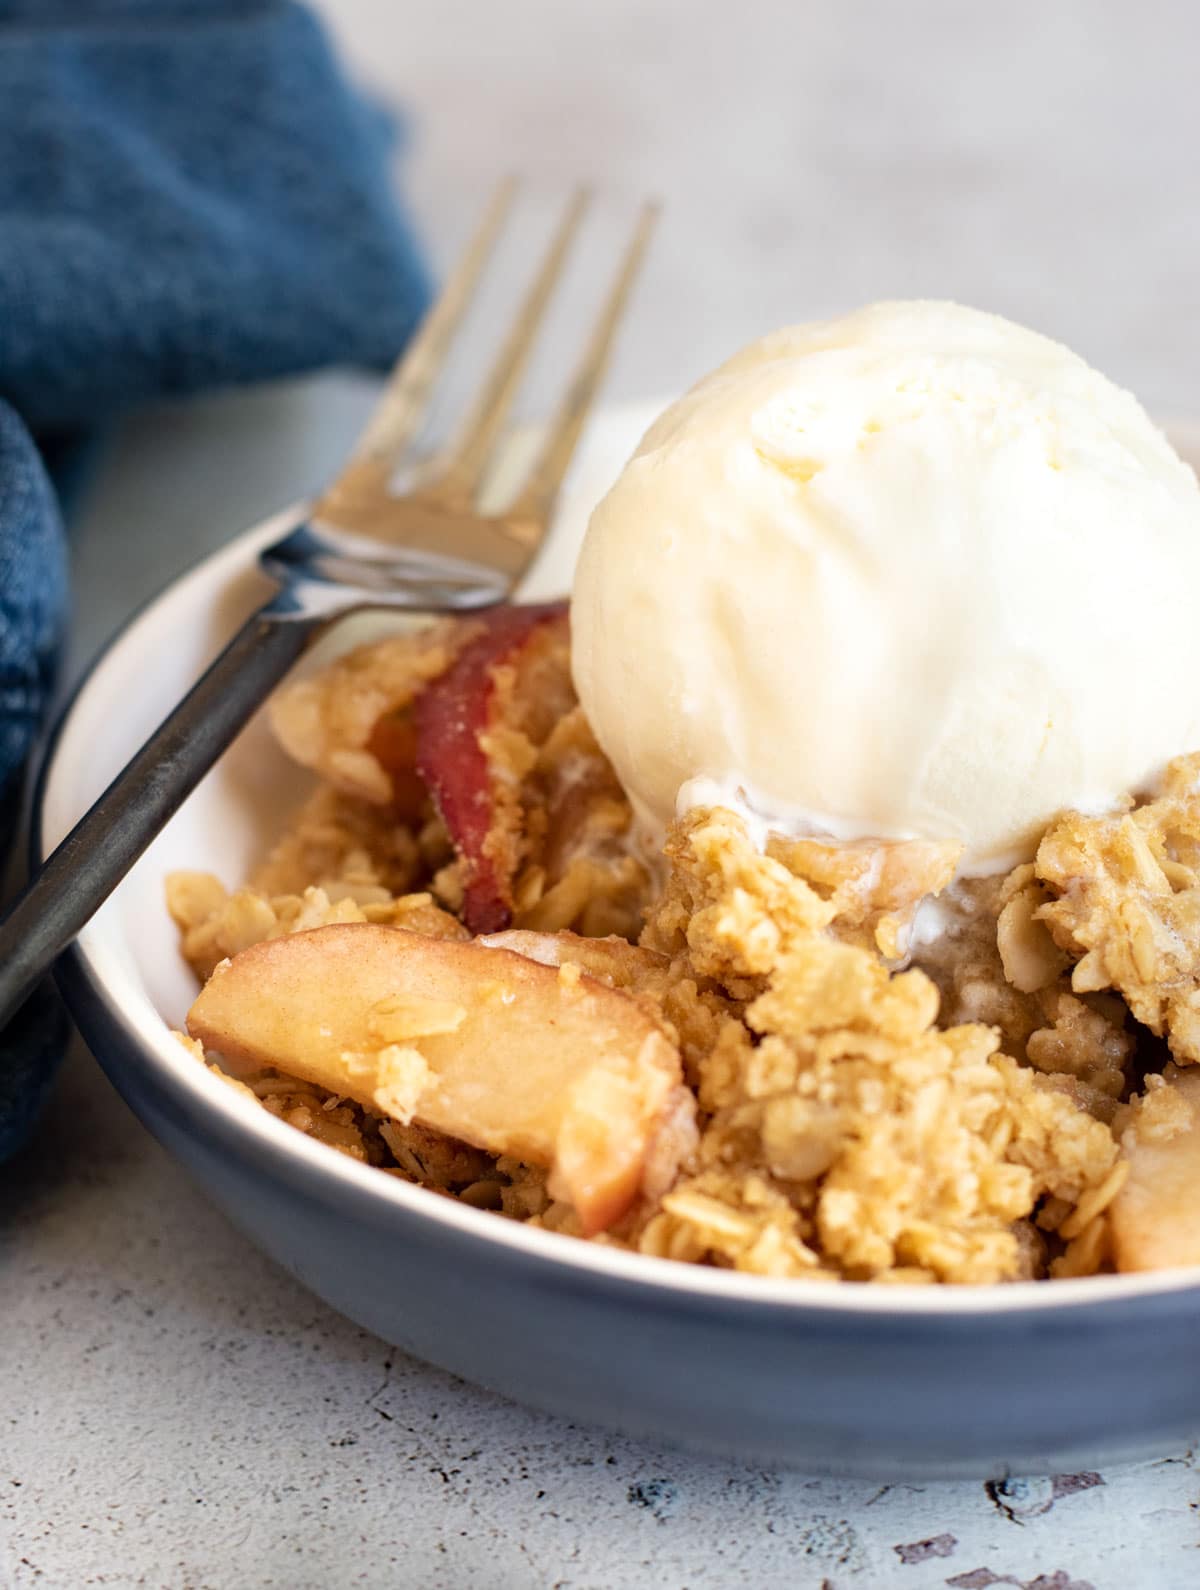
(1155, 1218)
(460, 717)
(352, 722)
(612, 960)
(485, 1045)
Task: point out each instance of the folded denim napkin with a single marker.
(190, 196)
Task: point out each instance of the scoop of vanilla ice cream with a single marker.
(914, 573)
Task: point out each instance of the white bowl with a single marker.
(883, 1381)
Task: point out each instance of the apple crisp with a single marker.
(463, 964)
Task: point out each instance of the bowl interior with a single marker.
(129, 950)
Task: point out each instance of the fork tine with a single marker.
(406, 395)
(531, 508)
(458, 471)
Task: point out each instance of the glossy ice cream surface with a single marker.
(917, 572)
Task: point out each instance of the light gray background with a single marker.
(178, 1413)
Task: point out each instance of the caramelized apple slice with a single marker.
(614, 961)
(477, 1042)
(349, 722)
(455, 715)
(1155, 1217)
(393, 744)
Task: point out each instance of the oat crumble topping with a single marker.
(854, 1099)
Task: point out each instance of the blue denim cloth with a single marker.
(190, 196)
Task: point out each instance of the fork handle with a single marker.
(102, 847)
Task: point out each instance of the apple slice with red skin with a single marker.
(515, 1058)
(453, 714)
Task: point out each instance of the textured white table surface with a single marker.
(175, 1411)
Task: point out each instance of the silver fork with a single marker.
(430, 550)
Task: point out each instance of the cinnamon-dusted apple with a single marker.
(466, 720)
(485, 1045)
(1155, 1218)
